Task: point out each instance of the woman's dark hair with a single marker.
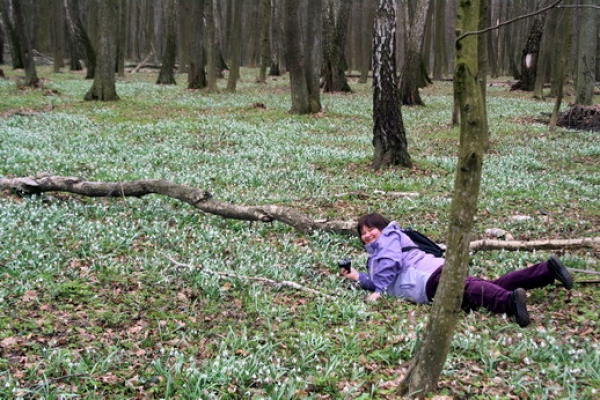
(373, 220)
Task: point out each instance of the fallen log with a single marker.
(530, 245)
(197, 198)
(204, 201)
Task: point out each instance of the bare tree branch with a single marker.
(195, 197)
(546, 244)
(267, 281)
(501, 24)
(204, 201)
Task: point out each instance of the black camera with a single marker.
(346, 264)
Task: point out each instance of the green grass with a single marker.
(93, 307)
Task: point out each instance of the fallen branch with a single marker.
(267, 281)
(197, 198)
(204, 201)
(545, 244)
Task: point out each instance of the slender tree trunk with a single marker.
(166, 76)
(313, 49)
(482, 67)
(196, 74)
(236, 46)
(104, 87)
(275, 37)
(586, 55)
(413, 67)
(1, 43)
(121, 39)
(335, 63)
(563, 48)
(31, 78)
(15, 44)
(265, 43)
(366, 29)
(81, 37)
(389, 138)
(426, 366)
(439, 49)
(530, 55)
(296, 59)
(211, 56)
(58, 34)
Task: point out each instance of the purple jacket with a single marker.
(395, 272)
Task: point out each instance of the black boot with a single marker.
(519, 307)
(560, 272)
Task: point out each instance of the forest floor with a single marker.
(150, 298)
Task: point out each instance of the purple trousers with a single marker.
(495, 295)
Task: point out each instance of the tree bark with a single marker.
(31, 78)
(2, 38)
(563, 46)
(586, 55)
(334, 71)
(265, 42)
(426, 366)
(211, 54)
(235, 46)
(389, 139)
(104, 87)
(58, 33)
(413, 73)
(530, 55)
(15, 44)
(166, 76)
(196, 73)
(299, 54)
(81, 37)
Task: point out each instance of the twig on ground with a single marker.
(267, 281)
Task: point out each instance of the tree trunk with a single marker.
(211, 56)
(389, 138)
(15, 44)
(1, 43)
(265, 43)
(275, 37)
(31, 78)
(586, 55)
(366, 34)
(427, 364)
(196, 74)
(121, 39)
(440, 66)
(104, 88)
(413, 69)
(166, 76)
(58, 33)
(313, 50)
(562, 50)
(297, 58)
(236, 46)
(82, 39)
(334, 75)
(530, 55)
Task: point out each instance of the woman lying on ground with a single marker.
(414, 275)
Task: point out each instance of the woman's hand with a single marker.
(352, 275)
(373, 297)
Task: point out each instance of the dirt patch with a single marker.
(581, 118)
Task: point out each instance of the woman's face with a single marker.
(369, 235)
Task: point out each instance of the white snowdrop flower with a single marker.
(575, 370)
(527, 361)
